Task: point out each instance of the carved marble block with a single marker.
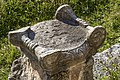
(59, 49)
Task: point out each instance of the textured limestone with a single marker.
(59, 49)
(106, 59)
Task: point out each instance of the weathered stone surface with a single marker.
(23, 70)
(59, 49)
(106, 59)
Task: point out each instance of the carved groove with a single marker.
(80, 50)
(82, 22)
(28, 43)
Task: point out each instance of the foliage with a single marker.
(8, 53)
(15, 14)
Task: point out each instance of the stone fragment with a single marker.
(109, 58)
(59, 49)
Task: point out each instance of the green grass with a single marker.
(8, 53)
(15, 14)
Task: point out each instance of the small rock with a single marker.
(106, 60)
